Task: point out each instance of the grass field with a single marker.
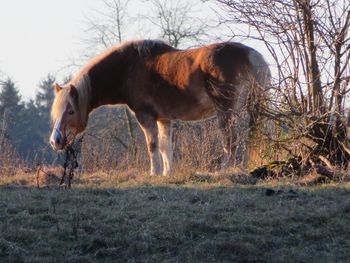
(183, 218)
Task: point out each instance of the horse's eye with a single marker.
(71, 112)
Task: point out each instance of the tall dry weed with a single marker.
(196, 146)
(9, 159)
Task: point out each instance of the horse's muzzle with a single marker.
(57, 140)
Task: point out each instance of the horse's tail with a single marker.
(260, 84)
(260, 69)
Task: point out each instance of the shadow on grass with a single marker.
(201, 221)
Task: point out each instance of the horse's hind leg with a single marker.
(234, 120)
(235, 129)
(242, 130)
(165, 145)
(148, 125)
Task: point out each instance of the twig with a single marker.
(37, 175)
(70, 162)
(320, 169)
(346, 149)
(326, 161)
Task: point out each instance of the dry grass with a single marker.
(116, 212)
(132, 217)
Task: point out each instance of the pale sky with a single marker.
(38, 37)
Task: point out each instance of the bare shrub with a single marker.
(309, 45)
(9, 160)
(197, 145)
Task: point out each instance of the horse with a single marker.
(159, 84)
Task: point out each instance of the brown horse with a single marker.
(159, 84)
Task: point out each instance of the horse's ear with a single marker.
(57, 88)
(73, 92)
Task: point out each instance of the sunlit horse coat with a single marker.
(159, 84)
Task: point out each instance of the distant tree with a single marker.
(26, 125)
(18, 120)
(9, 98)
(106, 28)
(44, 97)
(8, 154)
(11, 108)
(41, 108)
(31, 142)
(177, 22)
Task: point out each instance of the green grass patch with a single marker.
(174, 220)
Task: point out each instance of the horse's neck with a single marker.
(106, 80)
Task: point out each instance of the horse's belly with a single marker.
(200, 107)
(198, 113)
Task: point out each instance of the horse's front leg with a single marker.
(148, 125)
(166, 149)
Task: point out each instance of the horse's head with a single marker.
(66, 117)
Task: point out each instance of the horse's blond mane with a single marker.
(82, 81)
(58, 104)
(84, 96)
(83, 88)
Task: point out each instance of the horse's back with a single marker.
(175, 82)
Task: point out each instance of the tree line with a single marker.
(25, 125)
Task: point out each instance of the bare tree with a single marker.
(309, 42)
(304, 38)
(178, 22)
(106, 27)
